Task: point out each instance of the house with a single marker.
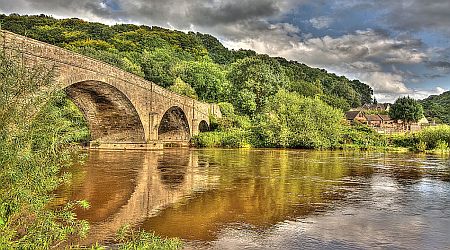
(374, 120)
(387, 121)
(355, 116)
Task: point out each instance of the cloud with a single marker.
(363, 55)
(321, 22)
(419, 94)
(405, 15)
(386, 59)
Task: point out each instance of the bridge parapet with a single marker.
(128, 93)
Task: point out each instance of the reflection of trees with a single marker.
(260, 188)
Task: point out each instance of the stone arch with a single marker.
(203, 126)
(110, 115)
(174, 126)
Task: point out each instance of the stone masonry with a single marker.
(119, 107)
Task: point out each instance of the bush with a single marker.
(362, 137)
(132, 239)
(233, 138)
(432, 135)
(34, 148)
(441, 146)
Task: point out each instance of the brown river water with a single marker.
(268, 199)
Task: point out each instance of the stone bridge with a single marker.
(122, 110)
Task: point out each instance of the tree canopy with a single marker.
(406, 109)
(241, 77)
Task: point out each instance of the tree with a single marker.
(207, 78)
(258, 78)
(291, 120)
(182, 88)
(406, 109)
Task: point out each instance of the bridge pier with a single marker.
(155, 145)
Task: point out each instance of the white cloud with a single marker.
(321, 22)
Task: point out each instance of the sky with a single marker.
(398, 47)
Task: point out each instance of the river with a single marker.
(268, 199)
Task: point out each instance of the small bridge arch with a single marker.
(174, 126)
(203, 126)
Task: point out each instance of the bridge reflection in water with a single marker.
(128, 187)
(193, 193)
(202, 195)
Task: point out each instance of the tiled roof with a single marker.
(373, 118)
(351, 115)
(385, 117)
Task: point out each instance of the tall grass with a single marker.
(33, 149)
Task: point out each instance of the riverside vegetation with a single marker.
(265, 101)
(38, 133)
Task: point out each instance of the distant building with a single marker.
(384, 123)
(374, 120)
(355, 116)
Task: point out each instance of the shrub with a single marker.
(362, 137)
(432, 135)
(441, 146)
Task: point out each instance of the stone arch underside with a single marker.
(174, 126)
(203, 126)
(109, 113)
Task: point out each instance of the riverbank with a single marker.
(432, 140)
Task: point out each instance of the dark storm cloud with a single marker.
(224, 12)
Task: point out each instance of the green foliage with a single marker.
(158, 66)
(291, 120)
(34, 141)
(406, 109)
(207, 78)
(405, 141)
(335, 102)
(182, 88)
(436, 107)
(132, 239)
(362, 136)
(434, 137)
(441, 146)
(254, 80)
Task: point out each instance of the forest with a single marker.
(251, 85)
(436, 107)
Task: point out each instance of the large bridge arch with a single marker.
(110, 115)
